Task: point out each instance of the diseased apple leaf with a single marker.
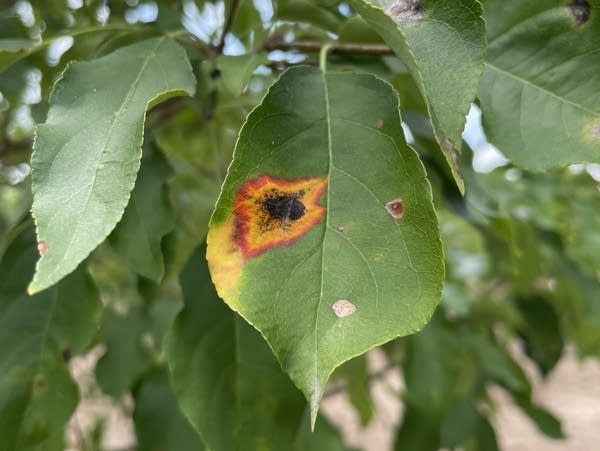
(324, 236)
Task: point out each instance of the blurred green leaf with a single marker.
(13, 34)
(309, 11)
(541, 332)
(544, 420)
(147, 219)
(220, 364)
(459, 424)
(356, 375)
(127, 356)
(417, 431)
(38, 334)
(236, 71)
(79, 196)
(159, 424)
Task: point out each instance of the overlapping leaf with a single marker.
(359, 262)
(147, 219)
(37, 336)
(443, 45)
(539, 88)
(87, 154)
(227, 381)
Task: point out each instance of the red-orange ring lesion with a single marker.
(257, 229)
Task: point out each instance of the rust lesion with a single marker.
(271, 212)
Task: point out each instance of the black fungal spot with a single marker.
(280, 208)
(580, 10)
(215, 73)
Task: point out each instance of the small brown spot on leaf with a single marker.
(343, 308)
(379, 123)
(455, 156)
(42, 247)
(341, 228)
(580, 10)
(395, 208)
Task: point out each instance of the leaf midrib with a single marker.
(315, 402)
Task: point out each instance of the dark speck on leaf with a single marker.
(66, 354)
(580, 9)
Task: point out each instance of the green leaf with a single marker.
(544, 420)
(125, 358)
(538, 90)
(147, 219)
(159, 423)
(37, 335)
(356, 374)
(87, 154)
(541, 332)
(236, 71)
(418, 431)
(443, 45)
(14, 35)
(359, 262)
(309, 11)
(226, 379)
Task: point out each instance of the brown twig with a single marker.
(228, 24)
(335, 47)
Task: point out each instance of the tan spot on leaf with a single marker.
(395, 208)
(379, 123)
(340, 228)
(405, 10)
(343, 308)
(42, 247)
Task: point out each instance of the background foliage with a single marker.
(140, 104)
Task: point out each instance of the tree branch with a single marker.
(228, 24)
(335, 47)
